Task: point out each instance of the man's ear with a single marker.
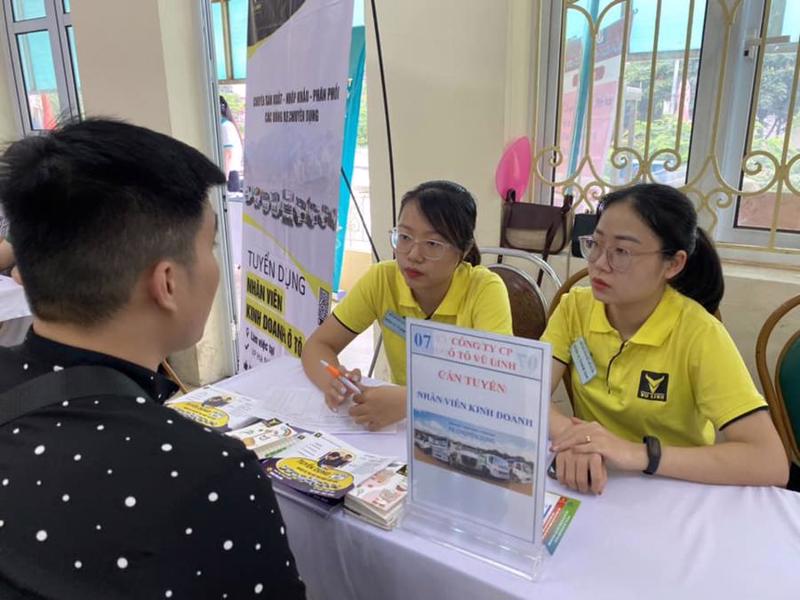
(162, 285)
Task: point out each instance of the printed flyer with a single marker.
(323, 465)
(266, 437)
(217, 409)
(558, 514)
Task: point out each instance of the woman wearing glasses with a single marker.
(654, 373)
(435, 276)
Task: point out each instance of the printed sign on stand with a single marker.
(296, 92)
(477, 409)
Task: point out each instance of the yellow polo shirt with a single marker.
(477, 299)
(679, 377)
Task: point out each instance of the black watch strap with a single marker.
(653, 445)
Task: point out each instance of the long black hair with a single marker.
(225, 109)
(673, 219)
(451, 211)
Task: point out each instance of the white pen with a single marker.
(337, 374)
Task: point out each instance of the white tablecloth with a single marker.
(644, 538)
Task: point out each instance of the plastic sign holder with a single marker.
(477, 443)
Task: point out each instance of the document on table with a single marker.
(306, 408)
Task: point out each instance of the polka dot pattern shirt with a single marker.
(119, 497)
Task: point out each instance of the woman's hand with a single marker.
(593, 438)
(583, 472)
(336, 393)
(377, 407)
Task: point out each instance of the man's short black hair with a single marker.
(93, 204)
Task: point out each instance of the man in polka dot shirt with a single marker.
(113, 495)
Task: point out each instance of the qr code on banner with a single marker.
(324, 304)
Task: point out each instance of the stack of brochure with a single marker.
(311, 467)
(379, 499)
(266, 437)
(322, 468)
(237, 416)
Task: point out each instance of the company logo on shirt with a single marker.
(653, 386)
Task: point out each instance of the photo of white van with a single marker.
(483, 463)
(422, 442)
(521, 472)
(496, 467)
(440, 449)
(465, 458)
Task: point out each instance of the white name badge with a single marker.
(582, 360)
(395, 323)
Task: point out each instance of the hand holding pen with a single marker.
(343, 385)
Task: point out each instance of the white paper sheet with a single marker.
(306, 408)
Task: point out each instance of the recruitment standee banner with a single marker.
(296, 91)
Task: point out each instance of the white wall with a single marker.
(446, 78)
(121, 61)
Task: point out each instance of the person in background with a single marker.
(436, 275)
(232, 147)
(654, 373)
(114, 495)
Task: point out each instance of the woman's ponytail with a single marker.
(701, 279)
(473, 256)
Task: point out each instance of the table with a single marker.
(15, 315)
(644, 537)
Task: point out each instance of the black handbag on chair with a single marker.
(584, 224)
(538, 228)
